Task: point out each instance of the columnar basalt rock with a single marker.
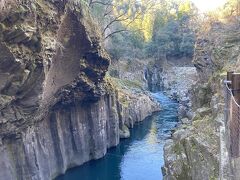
(56, 110)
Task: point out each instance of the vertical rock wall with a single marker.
(68, 137)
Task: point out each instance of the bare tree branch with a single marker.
(121, 30)
(100, 2)
(107, 13)
(112, 18)
(116, 19)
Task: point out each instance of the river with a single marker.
(139, 157)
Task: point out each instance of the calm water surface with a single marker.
(138, 158)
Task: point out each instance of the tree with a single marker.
(123, 15)
(172, 33)
(232, 8)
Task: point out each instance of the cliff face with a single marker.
(194, 152)
(48, 51)
(56, 109)
(69, 136)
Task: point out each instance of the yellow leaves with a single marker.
(226, 13)
(147, 25)
(137, 15)
(231, 8)
(143, 23)
(185, 6)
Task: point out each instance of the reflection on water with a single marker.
(152, 138)
(138, 158)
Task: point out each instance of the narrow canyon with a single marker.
(116, 90)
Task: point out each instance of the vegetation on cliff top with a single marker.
(158, 29)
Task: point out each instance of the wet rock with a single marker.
(124, 132)
(185, 121)
(182, 111)
(190, 114)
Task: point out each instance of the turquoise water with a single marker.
(138, 158)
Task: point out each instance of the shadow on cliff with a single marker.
(113, 159)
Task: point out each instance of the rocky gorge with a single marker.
(199, 146)
(58, 110)
(64, 101)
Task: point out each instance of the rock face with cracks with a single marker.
(56, 110)
(199, 149)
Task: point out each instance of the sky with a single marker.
(208, 5)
